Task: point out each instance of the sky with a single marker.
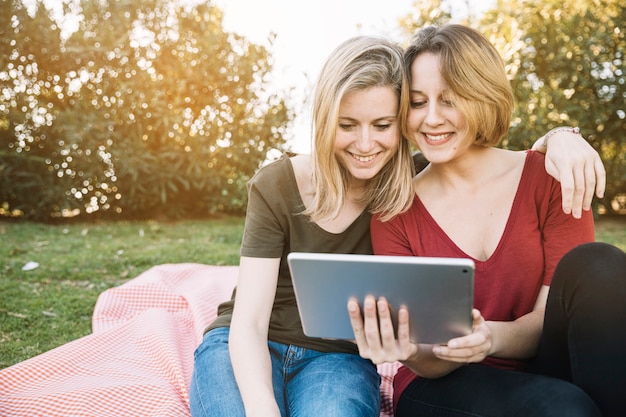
(306, 33)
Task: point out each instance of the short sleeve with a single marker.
(262, 236)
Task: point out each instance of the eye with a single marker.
(447, 99)
(346, 126)
(382, 126)
(416, 104)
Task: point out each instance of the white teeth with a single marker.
(363, 158)
(436, 137)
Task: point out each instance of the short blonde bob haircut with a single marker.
(474, 73)
(359, 63)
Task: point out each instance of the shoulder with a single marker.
(535, 167)
(277, 183)
(273, 172)
(535, 160)
(301, 165)
(535, 178)
(276, 165)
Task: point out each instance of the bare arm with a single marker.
(572, 161)
(519, 339)
(249, 354)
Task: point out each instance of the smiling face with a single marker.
(368, 134)
(434, 124)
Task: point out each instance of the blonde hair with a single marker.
(475, 74)
(357, 64)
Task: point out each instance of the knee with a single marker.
(551, 397)
(595, 255)
(596, 262)
(572, 403)
(348, 408)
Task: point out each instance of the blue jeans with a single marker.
(306, 382)
(580, 368)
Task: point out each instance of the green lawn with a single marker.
(52, 304)
(48, 306)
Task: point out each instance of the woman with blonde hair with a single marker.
(320, 203)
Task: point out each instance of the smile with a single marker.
(363, 158)
(436, 138)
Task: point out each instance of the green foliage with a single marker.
(145, 109)
(566, 61)
(425, 13)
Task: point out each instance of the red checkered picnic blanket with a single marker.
(139, 359)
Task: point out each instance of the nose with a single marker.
(434, 117)
(365, 140)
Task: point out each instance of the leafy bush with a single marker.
(144, 108)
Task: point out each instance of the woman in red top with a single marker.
(502, 210)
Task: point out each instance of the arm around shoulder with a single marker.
(572, 161)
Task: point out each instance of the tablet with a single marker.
(438, 292)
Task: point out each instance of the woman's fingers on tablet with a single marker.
(387, 333)
(370, 314)
(374, 331)
(466, 349)
(354, 311)
(406, 348)
(363, 327)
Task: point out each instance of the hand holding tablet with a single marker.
(438, 292)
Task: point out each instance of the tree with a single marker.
(144, 108)
(425, 13)
(567, 67)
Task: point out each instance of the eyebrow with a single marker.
(445, 92)
(388, 118)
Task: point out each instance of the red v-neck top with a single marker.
(536, 236)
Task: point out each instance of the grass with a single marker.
(52, 304)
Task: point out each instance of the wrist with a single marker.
(574, 130)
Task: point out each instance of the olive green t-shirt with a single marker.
(274, 227)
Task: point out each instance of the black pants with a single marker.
(580, 369)
(584, 334)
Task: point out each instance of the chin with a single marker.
(365, 175)
(437, 157)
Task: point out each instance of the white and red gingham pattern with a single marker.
(139, 359)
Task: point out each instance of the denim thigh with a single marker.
(326, 384)
(306, 382)
(214, 390)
